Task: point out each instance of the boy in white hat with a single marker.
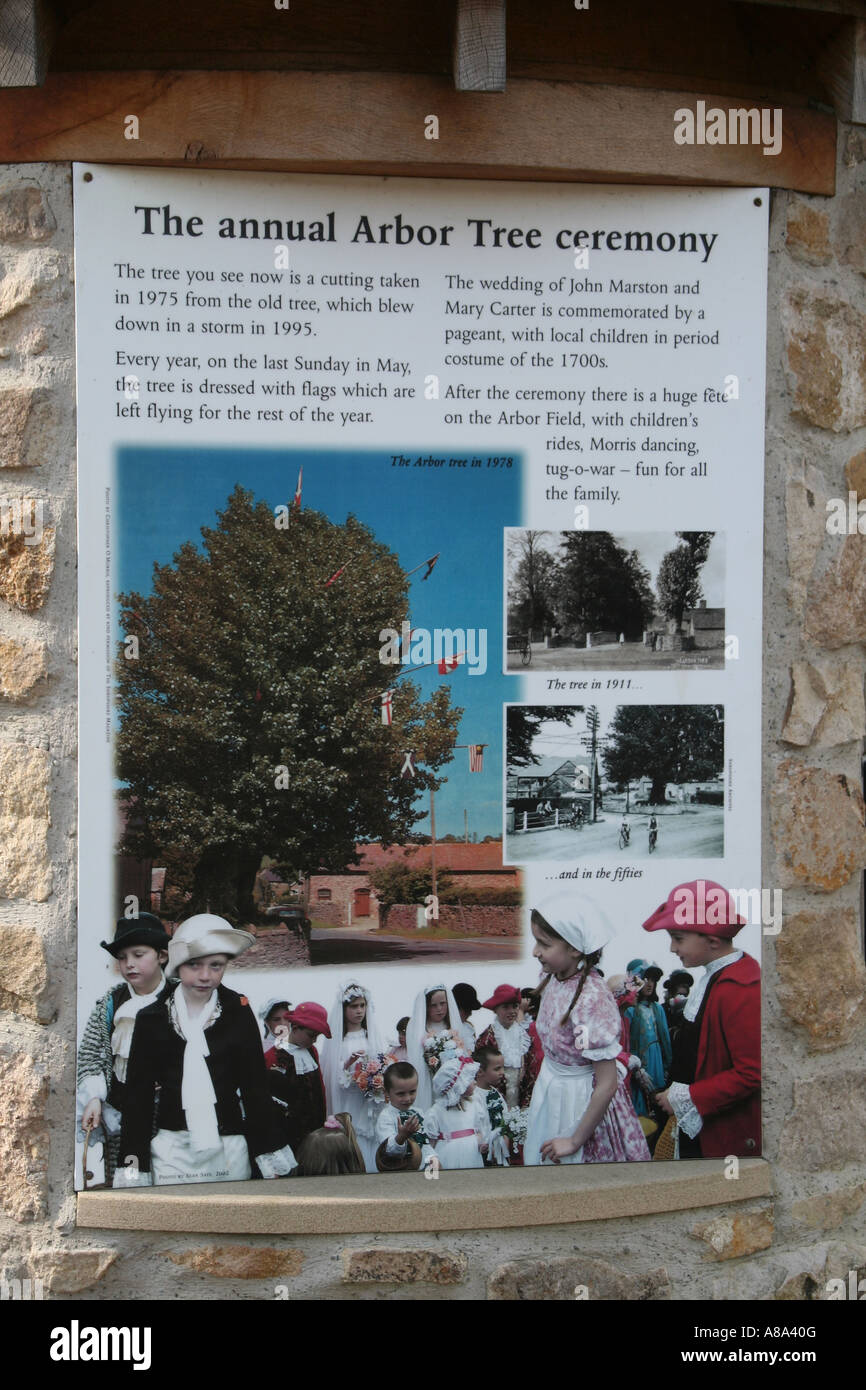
(200, 1046)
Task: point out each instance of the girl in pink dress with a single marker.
(581, 1110)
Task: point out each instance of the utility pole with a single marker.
(590, 740)
(432, 844)
(465, 826)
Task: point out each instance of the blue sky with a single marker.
(165, 495)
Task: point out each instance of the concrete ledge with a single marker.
(456, 1201)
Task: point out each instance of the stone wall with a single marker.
(815, 843)
(474, 920)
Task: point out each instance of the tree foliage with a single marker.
(678, 583)
(251, 673)
(669, 743)
(523, 722)
(533, 582)
(602, 586)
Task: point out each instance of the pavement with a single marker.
(689, 832)
(280, 950)
(631, 656)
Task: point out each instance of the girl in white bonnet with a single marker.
(581, 1111)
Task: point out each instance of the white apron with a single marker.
(559, 1098)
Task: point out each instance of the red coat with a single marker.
(727, 1085)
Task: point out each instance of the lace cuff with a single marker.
(687, 1115)
(278, 1164)
(92, 1087)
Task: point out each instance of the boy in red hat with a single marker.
(294, 1073)
(514, 1038)
(715, 1090)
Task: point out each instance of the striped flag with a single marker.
(386, 704)
(476, 757)
(449, 663)
(335, 575)
(297, 498)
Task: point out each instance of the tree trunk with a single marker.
(223, 884)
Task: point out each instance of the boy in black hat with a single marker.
(140, 947)
(467, 1002)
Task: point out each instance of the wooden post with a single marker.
(479, 46)
(432, 845)
(25, 42)
(842, 65)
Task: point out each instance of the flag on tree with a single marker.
(408, 768)
(430, 563)
(336, 575)
(386, 705)
(476, 757)
(297, 498)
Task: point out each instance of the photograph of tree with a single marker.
(594, 600)
(307, 727)
(644, 780)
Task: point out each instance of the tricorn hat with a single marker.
(312, 1016)
(503, 994)
(205, 935)
(699, 906)
(143, 930)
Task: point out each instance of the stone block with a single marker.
(848, 238)
(732, 1236)
(63, 1269)
(23, 1137)
(18, 405)
(826, 1211)
(826, 352)
(573, 1278)
(836, 607)
(822, 977)
(806, 519)
(381, 1265)
(25, 215)
(825, 1128)
(24, 974)
(240, 1261)
(25, 865)
(22, 666)
(26, 570)
(855, 474)
(818, 827)
(808, 234)
(826, 704)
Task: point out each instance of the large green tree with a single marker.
(679, 578)
(250, 722)
(669, 743)
(602, 585)
(532, 581)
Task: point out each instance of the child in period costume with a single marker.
(354, 1037)
(649, 1038)
(199, 1047)
(581, 1111)
(296, 1082)
(467, 1002)
(715, 1091)
(400, 1135)
(432, 1037)
(676, 988)
(140, 948)
(457, 1121)
(331, 1151)
(512, 1037)
(489, 1084)
(274, 1016)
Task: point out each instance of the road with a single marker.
(631, 656)
(694, 832)
(339, 946)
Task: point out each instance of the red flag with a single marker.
(329, 582)
(430, 563)
(476, 757)
(387, 702)
(297, 499)
(449, 663)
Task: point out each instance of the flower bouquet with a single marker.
(442, 1047)
(368, 1075)
(514, 1125)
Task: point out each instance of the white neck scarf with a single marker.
(514, 1042)
(124, 1025)
(303, 1059)
(198, 1096)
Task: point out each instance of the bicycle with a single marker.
(624, 837)
(653, 840)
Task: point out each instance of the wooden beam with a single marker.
(842, 65)
(479, 46)
(25, 41)
(372, 123)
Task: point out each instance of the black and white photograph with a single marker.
(639, 781)
(615, 601)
